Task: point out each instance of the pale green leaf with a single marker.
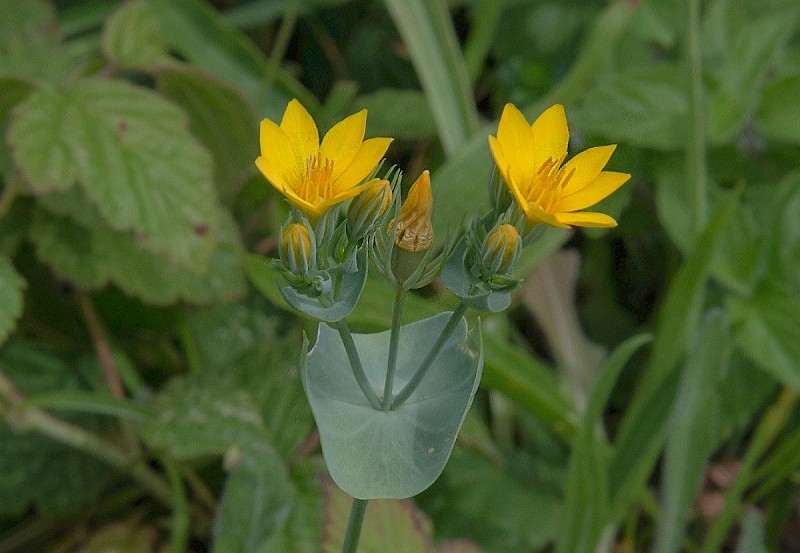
(30, 46)
(94, 256)
(397, 453)
(133, 37)
(133, 156)
(401, 114)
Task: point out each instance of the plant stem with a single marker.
(769, 427)
(179, 537)
(9, 194)
(452, 322)
(23, 418)
(357, 512)
(394, 342)
(101, 346)
(355, 363)
(696, 147)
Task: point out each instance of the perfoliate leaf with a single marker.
(133, 37)
(133, 156)
(398, 453)
(12, 286)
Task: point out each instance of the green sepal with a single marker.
(399, 453)
(328, 295)
(491, 294)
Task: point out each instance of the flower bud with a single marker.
(368, 208)
(298, 248)
(501, 248)
(414, 228)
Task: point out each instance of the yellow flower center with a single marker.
(316, 184)
(548, 184)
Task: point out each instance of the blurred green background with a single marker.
(640, 395)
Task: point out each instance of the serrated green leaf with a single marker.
(779, 113)
(133, 156)
(693, 428)
(94, 256)
(195, 418)
(28, 474)
(12, 286)
(755, 48)
(397, 453)
(767, 330)
(643, 106)
(133, 37)
(389, 525)
(499, 511)
(30, 46)
(12, 91)
(256, 502)
(221, 118)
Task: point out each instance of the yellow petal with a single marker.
(278, 152)
(550, 135)
(536, 214)
(514, 134)
(513, 184)
(342, 142)
(586, 219)
(499, 157)
(347, 194)
(600, 188)
(587, 166)
(279, 182)
(365, 160)
(301, 130)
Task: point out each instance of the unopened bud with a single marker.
(368, 208)
(501, 248)
(298, 248)
(414, 228)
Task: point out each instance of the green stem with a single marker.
(9, 194)
(355, 363)
(769, 427)
(696, 147)
(452, 322)
(354, 525)
(22, 418)
(394, 342)
(281, 45)
(179, 537)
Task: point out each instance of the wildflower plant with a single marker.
(389, 405)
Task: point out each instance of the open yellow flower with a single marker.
(531, 160)
(316, 176)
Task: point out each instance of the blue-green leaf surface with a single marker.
(399, 453)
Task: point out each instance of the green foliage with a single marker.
(355, 437)
(135, 233)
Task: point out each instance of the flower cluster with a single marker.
(535, 185)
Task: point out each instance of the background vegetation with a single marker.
(149, 395)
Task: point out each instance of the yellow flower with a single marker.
(414, 228)
(501, 248)
(315, 176)
(531, 160)
(298, 249)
